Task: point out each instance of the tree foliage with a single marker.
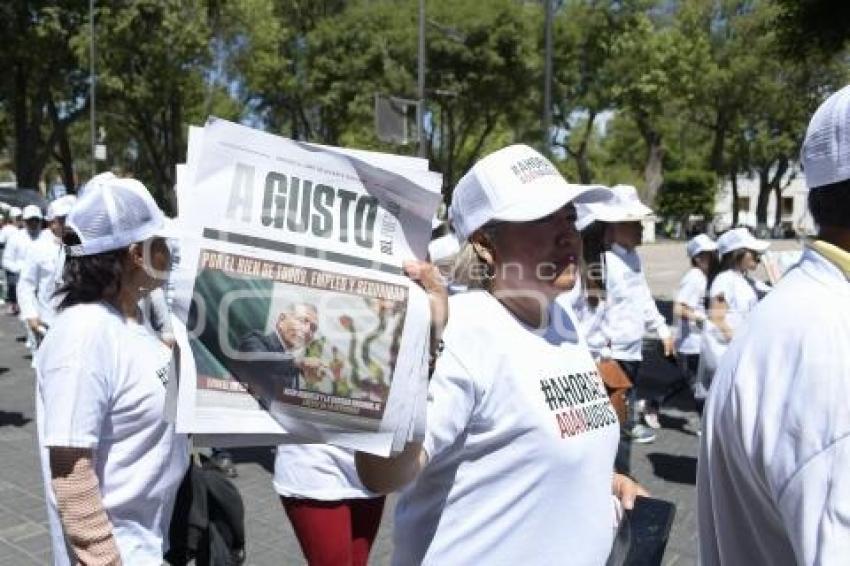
(645, 91)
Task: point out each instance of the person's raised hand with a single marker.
(431, 280)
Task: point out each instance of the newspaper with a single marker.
(300, 325)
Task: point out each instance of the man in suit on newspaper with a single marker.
(270, 362)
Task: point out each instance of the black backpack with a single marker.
(208, 523)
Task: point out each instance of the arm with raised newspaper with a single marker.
(302, 324)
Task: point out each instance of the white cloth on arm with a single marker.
(630, 309)
(521, 441)
(773, 483)
(692, 293)
(101, 385)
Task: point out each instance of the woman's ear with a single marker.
(136, 256)
(483, 246)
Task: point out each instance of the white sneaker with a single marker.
(640, 434)
(651, 419)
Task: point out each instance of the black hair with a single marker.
(733, 259)
(830, 204)
(90, 278)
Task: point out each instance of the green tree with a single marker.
(44, 90)
(154, 61)
(686, 192)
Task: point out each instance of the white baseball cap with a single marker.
(624, 205)
(699, 244)
(32, 211)
(114, 213)
(826, 149)
(740, 239)
(15, 212)
(60, 207)
(513, 184)
(443, 247)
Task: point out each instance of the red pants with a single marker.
(335, 533)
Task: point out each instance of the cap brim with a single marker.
(632, 213)
(545, 204)
(758, 245)
(170, 230)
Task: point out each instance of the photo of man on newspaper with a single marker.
(318, 342)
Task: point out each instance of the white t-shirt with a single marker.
(38, 280)
(692, 292)
(17, 248)
(629, 309)
(317, 471)
(740, 297)
(6, 232)
(521, 441)
(774, 468)
(101, 385)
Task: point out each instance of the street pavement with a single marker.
(666, 467)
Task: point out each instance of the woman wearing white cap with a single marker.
(111, 464)
(689, 310)
(518, 455)
(732, 296)
(38, 277)
(11, 226)
(18, 246)
(629, 309)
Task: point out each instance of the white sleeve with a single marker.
(74, 385)
(691, 291)
(815, 507)
(652, 318)
(27, 285)
(10, 253)
(451, 403)
(719, 287)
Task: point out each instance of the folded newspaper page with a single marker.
(300, 325)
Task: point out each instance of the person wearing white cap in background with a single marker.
(520, 431)
(111, 464)
(38, 277)
(18, 246)
(628, 310)
(690, 313)
(11, 224)
(732, 295)
(773, 484)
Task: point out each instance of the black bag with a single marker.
(208, 523)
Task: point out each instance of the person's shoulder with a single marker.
(471, 309)
(84, 326)
(694, 276)
(722, 280)
(254, 339)
(88, 316)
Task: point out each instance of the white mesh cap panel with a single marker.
(112, 214)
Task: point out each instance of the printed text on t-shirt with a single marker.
(579, 402)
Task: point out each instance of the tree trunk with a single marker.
(653, 171)
(64, 156)
(733, 175)
(761, 205)
(585, 173)
(26, 173)
(777, 216)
